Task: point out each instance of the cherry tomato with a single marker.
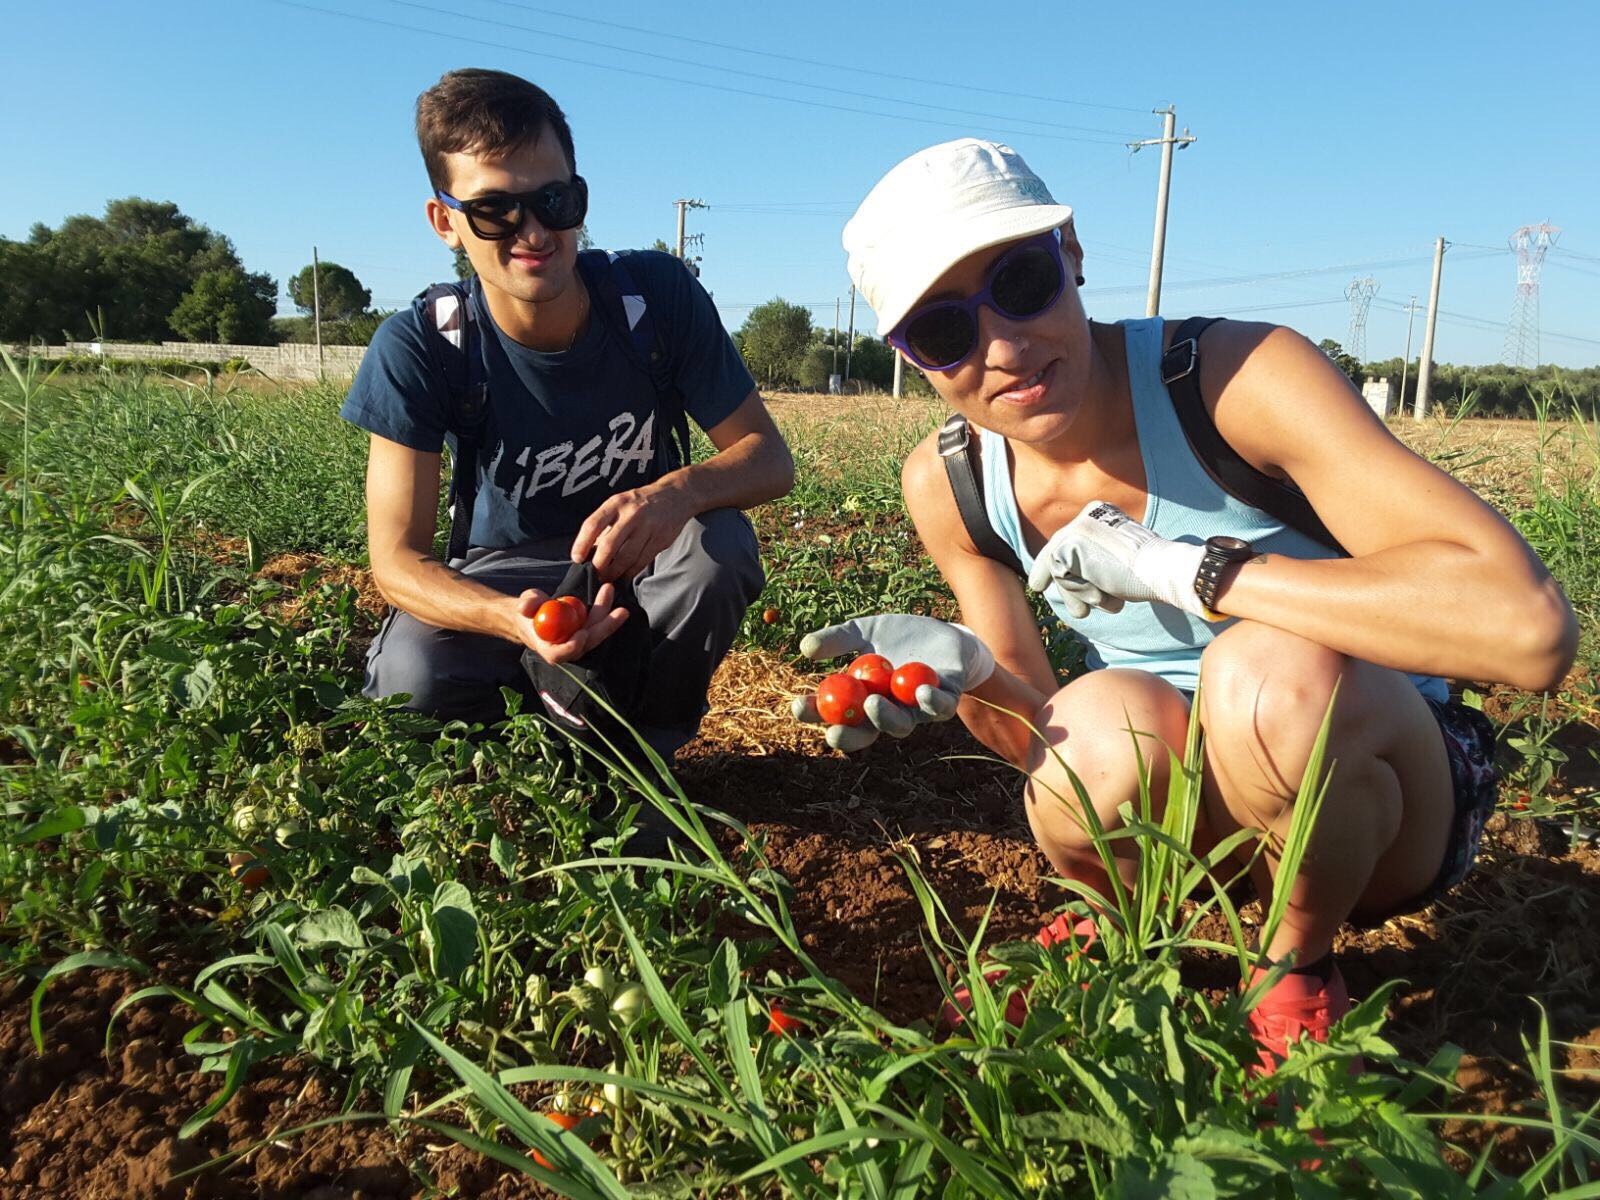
(874, 670)
(566, 1121)
(249, 869)
(556, 621)
(578, 606)
(909, 678)
(781, 1022)
(840, 700)
(769, 616)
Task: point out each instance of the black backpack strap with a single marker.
(955, 438)
(622, 304)
(458, 343)
(1180, 371)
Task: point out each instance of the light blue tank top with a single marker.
(1185, 504)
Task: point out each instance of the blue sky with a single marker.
(1334, 142)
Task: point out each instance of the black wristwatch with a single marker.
(1223, 554)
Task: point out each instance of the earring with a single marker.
(1079, 278)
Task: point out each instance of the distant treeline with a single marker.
(1501, 391)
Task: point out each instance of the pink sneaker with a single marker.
(1296, 1006)
(1077, 933)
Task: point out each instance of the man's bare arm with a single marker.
(751, 466)
(402, 516)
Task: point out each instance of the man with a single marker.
(974, 272)
(575, 459)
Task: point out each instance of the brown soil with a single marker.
(1478, 965)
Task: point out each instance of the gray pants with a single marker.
(695, 594)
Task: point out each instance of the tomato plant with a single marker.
(557, 621)
(874, 670)
(840, 700)
(908, 678)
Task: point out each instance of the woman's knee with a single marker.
(1098, 733)
(1265, 689)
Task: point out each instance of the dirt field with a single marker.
(1519, 935)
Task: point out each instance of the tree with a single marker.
(774, 339)
(337, 288)
(227, 306)
(661, 245)
(1347, 363)
(134, 264)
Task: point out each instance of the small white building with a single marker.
(1379, 395)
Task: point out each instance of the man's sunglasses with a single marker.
(1024, 282)
(556, 206)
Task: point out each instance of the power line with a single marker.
(812, 62)
(766, 76)
(1269, 277)
(716, 87)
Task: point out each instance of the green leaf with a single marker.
(200, 685)
(64, 820)
(504, 854)
(453, 931)
(333, 926)
(722, 974)
(73, 962)
(1069, 1126)
(1182, 1178)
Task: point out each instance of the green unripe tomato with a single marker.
(628, 1003)
(601, 979)
(537, 990)
(246, 820)
(286, 830)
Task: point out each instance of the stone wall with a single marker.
(290, 361)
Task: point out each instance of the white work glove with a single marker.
(955, 653)
(1104, 558)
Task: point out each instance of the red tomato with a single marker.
(769, 616)
(249, 868)
(909, 678)
(840, 700)
(781, 1022)
(578, 606)
(556, 621)
(566, 1121)
(874, 670)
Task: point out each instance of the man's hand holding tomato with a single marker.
(600, 622)
(959, 659)
(628, 531)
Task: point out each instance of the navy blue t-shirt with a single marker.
(565, 430)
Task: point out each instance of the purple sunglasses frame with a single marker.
(896, 337)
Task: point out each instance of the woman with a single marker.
(1087, 477)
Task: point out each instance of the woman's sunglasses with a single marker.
(556, 206)
(1024, 282)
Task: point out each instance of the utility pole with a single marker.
(1405, 363)
(1158, 248)
(1425, 367)
(836, 335)
(850, 338)
(316, 305)
(683, 207)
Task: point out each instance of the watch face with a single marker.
(1229, 546)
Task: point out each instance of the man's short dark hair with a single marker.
(492, 113)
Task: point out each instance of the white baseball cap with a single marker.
(935, 208)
